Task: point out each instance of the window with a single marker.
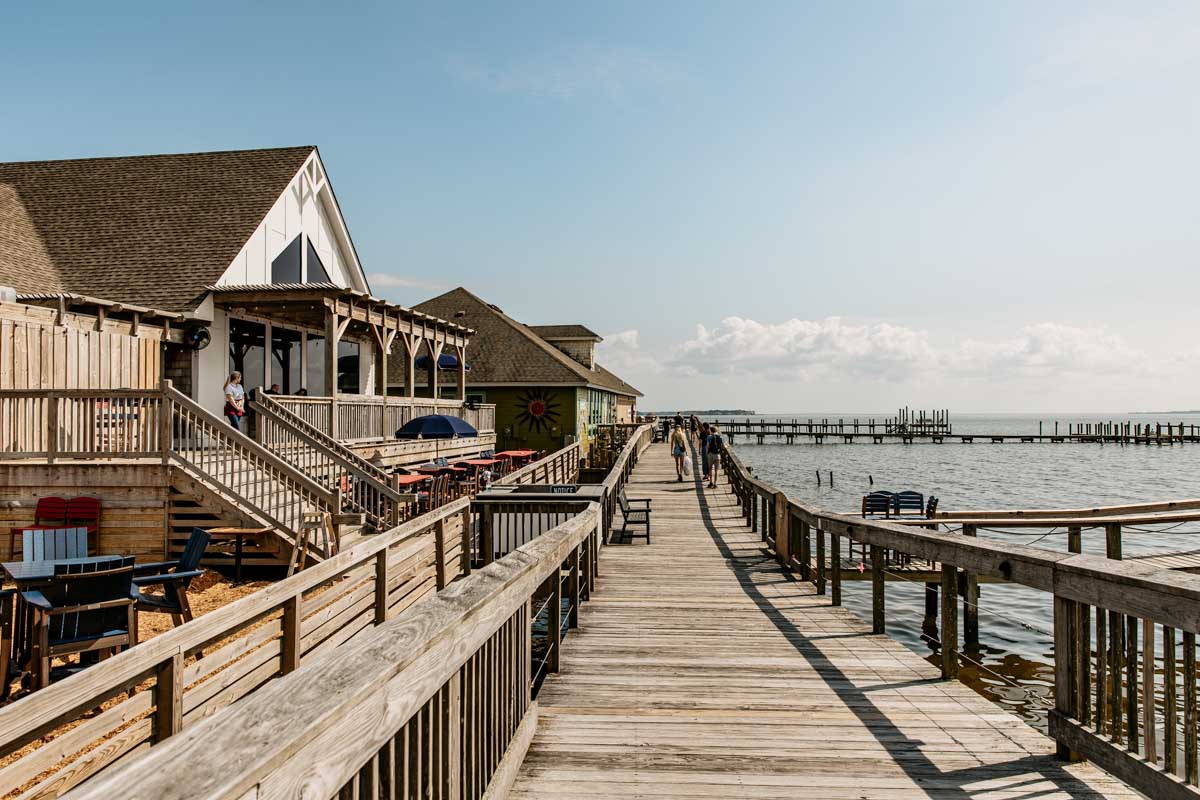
(347, 367)
(316, 270)
(315, 379)
(247, 351)
(286, 266)
(285, 359)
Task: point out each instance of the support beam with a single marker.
(333, 334)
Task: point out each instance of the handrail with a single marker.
(1097, 713)
(260, 479)
(226, 654)
(567, 458)
(264, 403)
(343, 717)
(323, 457)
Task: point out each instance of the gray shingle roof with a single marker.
(153, 230)
(504, 351)
(564, 332)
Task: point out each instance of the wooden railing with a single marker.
(561, 466)
(435, 704)
(364, 487)
(87, 722)
(618, 474)
(365, 418)
(242, 470)
(1108, 689)
(80, 423)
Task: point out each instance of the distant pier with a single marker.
(938, 429)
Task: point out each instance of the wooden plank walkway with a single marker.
(702, 670)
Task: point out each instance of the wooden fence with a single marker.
(561, 466)
(37, 355)
(435, 704)
(101, 716)
(1107, 688)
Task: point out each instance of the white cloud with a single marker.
(622, 351)
(800, 349)
(565, 73)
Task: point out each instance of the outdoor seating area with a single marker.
(64, 603)
(898, 504)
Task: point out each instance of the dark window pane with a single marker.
(285, 359)
(315, 380)
(286, 266)
(316, 270)
(348, 367)
(247, 351)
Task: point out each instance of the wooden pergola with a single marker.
(338, 311)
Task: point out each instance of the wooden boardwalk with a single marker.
(702, 670)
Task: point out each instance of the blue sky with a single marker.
(783, 206)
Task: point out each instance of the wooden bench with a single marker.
(635, 513)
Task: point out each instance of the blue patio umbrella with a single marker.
(437, 426)
(445, 361)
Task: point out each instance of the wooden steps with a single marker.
(702, 670)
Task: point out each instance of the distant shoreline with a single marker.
(708, 411)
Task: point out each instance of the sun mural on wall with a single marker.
(538, 410)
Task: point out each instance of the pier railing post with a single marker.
(820, 534)
(949, 634)
(877, 589)
(970, 593)
(783, 534)
(805, 552)
(1064, 667)
(835, 566)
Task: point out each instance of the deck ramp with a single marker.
(703, 670)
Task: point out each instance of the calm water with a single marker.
(1015, 622)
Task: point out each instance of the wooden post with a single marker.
(452, 725)
(554, 620)
(289, 653)
(820, 534)
(168, 697)
(381, 587)
(805, 552)
(51, 427)
(466, 541)
(439, 539)
(949, 637)
(573, 588)
(331, 350)
(783, 538)
(164, 421)
(486, 543)
(835, 566)
(970, 602)
(1191, 767)
(1074, 539)
(1064, 662)
(877, 590)
(1112, 540)
(462, 373)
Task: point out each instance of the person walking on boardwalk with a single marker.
(701, 445)
(712, 454)
(678, 449)
(235, 400)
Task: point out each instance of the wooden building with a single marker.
(131, 287)
(543, 380)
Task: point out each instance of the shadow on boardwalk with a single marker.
(701, 669)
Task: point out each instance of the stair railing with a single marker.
(241, 469)
(363, 485)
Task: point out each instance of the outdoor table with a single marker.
(482, 462)
(435, 470)
(516, 453)
(25, 573)
(238, 535)
(409, 480)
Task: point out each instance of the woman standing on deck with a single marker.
(235, 400)
(678, 449)
(702, 445)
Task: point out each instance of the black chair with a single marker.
(908, 502)
(877, 503)
(636, 513)
(88, 607)
(174, 577)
